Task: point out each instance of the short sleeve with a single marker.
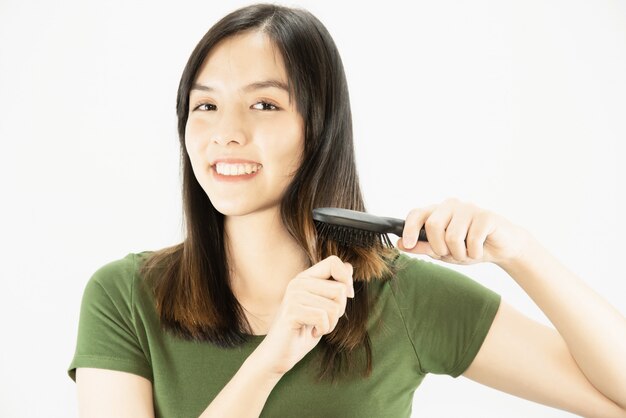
(107, 337)
(447, 315)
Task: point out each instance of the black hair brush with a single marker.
(358, 229)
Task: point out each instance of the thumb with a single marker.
(421, 247)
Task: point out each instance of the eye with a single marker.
(205, 107)
(263, 105)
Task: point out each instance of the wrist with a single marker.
(246, 393)
(259, 365)
(526, 253)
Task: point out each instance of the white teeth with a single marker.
(236, 169)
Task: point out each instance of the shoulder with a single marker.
(446, 313)
(414, 271)
(117, 278)
(429, 282)
(408, 266)
(112, 331)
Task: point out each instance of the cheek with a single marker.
(286, 150)
(193, 143)
(192, 129)
(287, 139)
(296, 148)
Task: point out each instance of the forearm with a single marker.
(594, 331)
(245, 394)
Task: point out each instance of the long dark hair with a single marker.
(190, 280)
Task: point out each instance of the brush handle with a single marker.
(397, 226)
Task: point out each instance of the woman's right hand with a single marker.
(313, 303)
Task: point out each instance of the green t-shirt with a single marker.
(427, 319)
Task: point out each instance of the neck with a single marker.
(262, 256)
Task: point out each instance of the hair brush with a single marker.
(358, 229)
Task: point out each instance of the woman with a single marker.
(252, 315)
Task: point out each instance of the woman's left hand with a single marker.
(462, 233)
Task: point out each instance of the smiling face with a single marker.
(244, 136)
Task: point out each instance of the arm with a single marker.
(311, 308)
(108, 393)
(581, 365)
(246, 393)
(532, 361)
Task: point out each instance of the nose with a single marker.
(230, 127)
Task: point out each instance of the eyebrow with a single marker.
(250, 87)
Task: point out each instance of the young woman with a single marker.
(253, 315)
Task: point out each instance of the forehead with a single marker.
(243, 58)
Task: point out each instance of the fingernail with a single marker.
(351, 292)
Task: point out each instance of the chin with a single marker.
(238, 208)
(230, 204)
(227, 209)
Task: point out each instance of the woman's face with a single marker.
(244, 137)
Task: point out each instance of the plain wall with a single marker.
(516, 106)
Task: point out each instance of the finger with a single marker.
(332, 267)
(350, 268)
(332, 306)
(334, 309)
(413, 224)
(329, 289)
(456, 233)
(420, 248)
(436, 225)
(305, 316)
(477, 235)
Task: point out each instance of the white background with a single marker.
(516, 106)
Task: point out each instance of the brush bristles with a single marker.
(352, 237)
